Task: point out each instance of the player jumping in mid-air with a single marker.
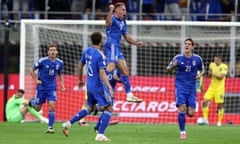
(116, 27)
(186, 65)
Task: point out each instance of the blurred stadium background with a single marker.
(147, 64)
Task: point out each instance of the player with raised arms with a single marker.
(116, 27)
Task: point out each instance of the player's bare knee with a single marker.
(51, 107)
(190, 113)
(23, 110)
(220, 106)
(182, 108)
(102, 108)
(109, 108)
(90, 109)
(37, 108)
(205, 103)
(125, 72)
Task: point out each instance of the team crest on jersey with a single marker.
(194, 63)
(220, 69)
(47, 66)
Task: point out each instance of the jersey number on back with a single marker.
(90, 70)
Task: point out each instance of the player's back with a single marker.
(94, 60)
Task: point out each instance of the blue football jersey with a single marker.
(94, 60)
(186, 71)
(47, 72)
(115, 31)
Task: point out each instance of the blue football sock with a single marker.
(79, 115)
(125, 80)
(99, 122)
(106, 115)
(96, 110)
(51, 117)
(181, 120)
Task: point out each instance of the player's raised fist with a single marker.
(111, 7)
(140, 44)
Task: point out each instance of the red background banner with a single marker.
(158, 94)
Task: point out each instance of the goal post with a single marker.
(162, 41)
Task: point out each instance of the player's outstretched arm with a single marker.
(130, 40)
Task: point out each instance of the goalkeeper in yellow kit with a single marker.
(216, 89)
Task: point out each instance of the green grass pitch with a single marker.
(35, 133)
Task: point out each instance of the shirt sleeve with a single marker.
(201, 68)
(36, 65)
(171, 62)
(101, 62)
(60, 71)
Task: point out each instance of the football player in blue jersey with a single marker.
(48, 68)
(187, 66)
(98, 87)
(114, 78)
(116, 27)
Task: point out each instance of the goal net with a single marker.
(149, 81)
